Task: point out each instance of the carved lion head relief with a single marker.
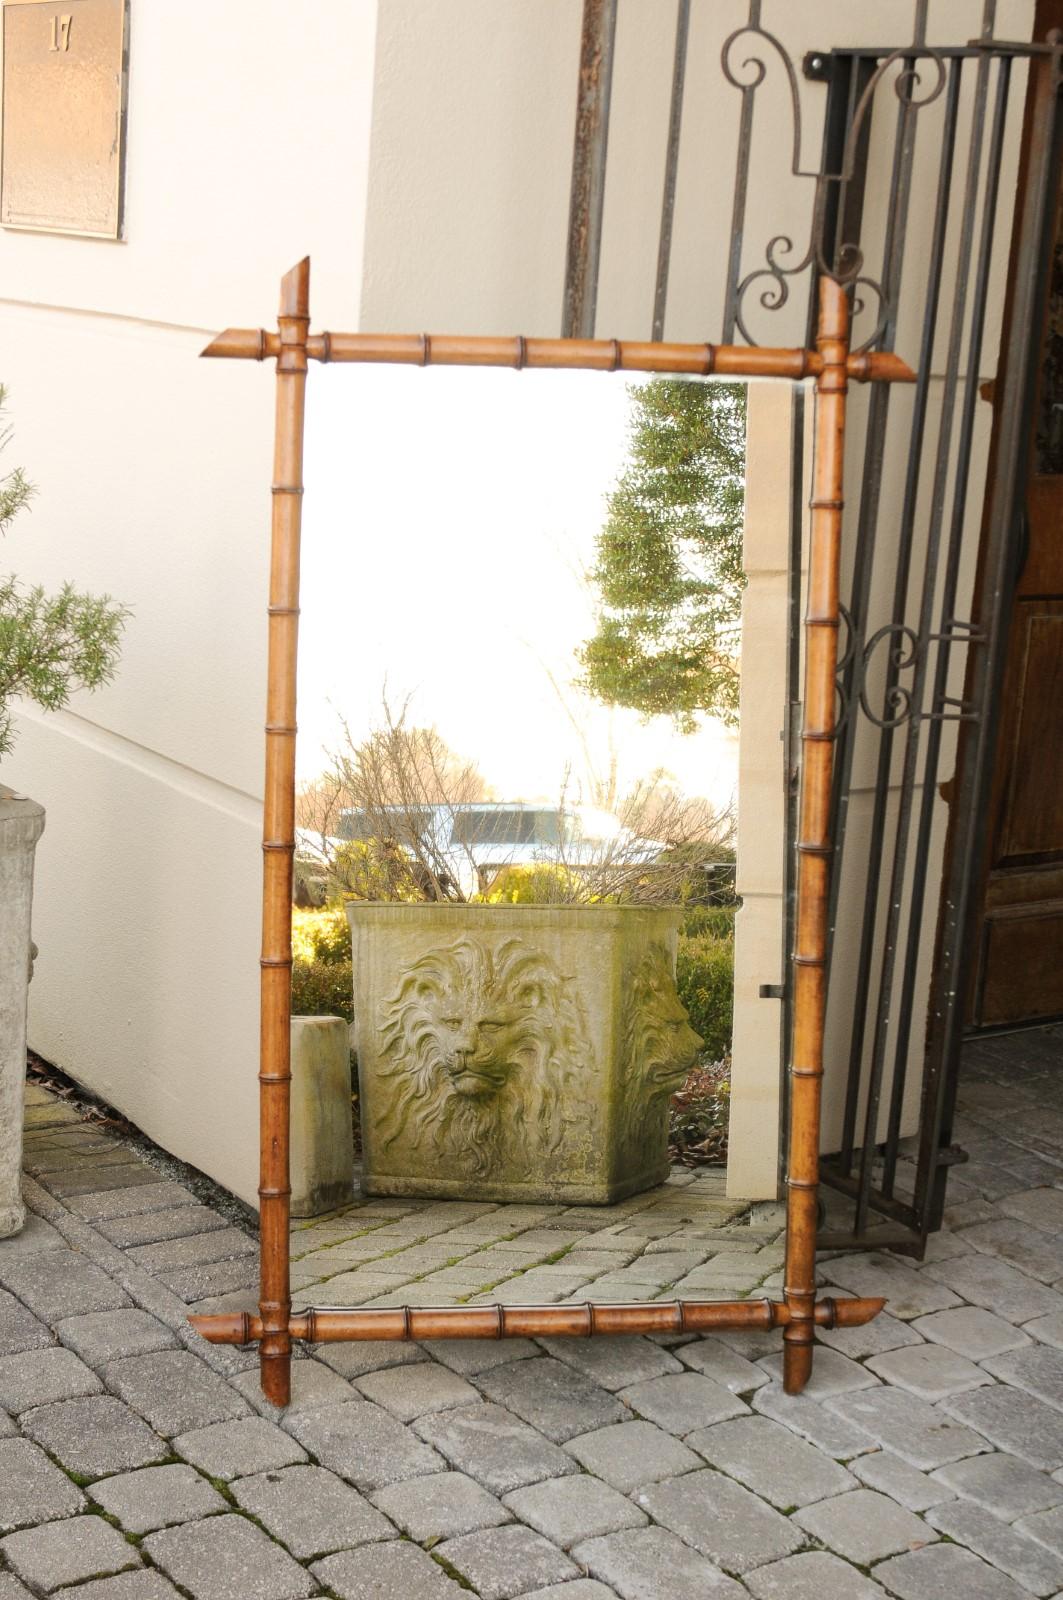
(660, 1045)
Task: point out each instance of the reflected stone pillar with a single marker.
(21, 825)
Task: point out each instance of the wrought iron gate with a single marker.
(916, 173)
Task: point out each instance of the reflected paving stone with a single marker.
(495, 1447)
(235, 1449)
(32, 1488)
(971, 1332)
(552, 1397)
(1038, 1569)
(470, 1356)
(614, 1363)
(1040, 1208)
(119, 1203)
(910, 1293)
(872, 1338)
(723, 1365)
(61, 1283)
(96, 1435)
(683, 1402)
(66, 1552)
(440, 1506)
(816, 1575)
(38, 1377)
(769, 1460)
(503, 1562)
(361, 1356)
(1002, 1484)
(36, 1235)
(883, 1470)
(193, 1250)
(931, 1371)
(1013, 1421)
(1027, 1248)
(174, 1391)
(395, 1571)
(630, 1455)
(991, 1283)
(102, 1336)
(651, 1562)
(150, 1499)
(19, 1328)
(1049, 1330)
(839, 1436)
(721, 1520)
(864, 1526)
(148, 1227)
(408, 1392)
(96, 1179)
(227, 1558)
(920, 1434)
(1038, 1370)
(364, 1444)
(311, 1511)
(832, 1373)
(568, 1510)
(1046, 1527)
(946, 1570)
(220, 1277)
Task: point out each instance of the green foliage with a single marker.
(719, 921)
(705, 980)
(669, 564)
(698, 1115)
(373, 869)
(322, 989)
(323, 935)
(540, 883)
(50, 645)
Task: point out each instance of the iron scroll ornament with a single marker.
(848, 258)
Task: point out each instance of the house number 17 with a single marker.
(60, 33)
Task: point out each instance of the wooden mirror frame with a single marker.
(831, 364)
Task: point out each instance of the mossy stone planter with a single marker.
(517, 1052)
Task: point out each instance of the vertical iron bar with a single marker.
(587, 198)
(738, 206)
(671, 164)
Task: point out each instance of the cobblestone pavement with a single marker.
(924, 1460)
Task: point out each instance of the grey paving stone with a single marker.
(470, 1356)
(219, 1277)
(991, 1283)
(311, 1510)
(1040, 1208)
(36, 1235)
(235, 1449)
(682, 1402)
(569, 1510)
(723, 1365)
(920, 1434)
(193, 1250)
(313, 1385)
(839, 1436)
(1049, 1330)
(503, 1562)
(174, 1390)
(95, 1435)
(931, 1371)
(12, 1589)
(38, 1377)
(946, 1569)
(494, 1447)
(97, 1179)
(1013, 1421)
(650, 1564)
(1027, 1248)
(408, 1392)
(1003, 1484)
(552, 1397)
(440, 1506)
(912, 1488)
(721, 1520)
(364, 1444)
(61, 1283)
(768, 1459)
(19, 1328)
(227, 1558)
(1046, 1527)
(140, 1585)
(832, 1373)
(127, 1203)
(815, 1575)
(66, 1552)
(870, 1339)
(864, 1526)
(1037, 1369)
(32, 1488)
(102, 1336)
(613, 1363)
(971, 1332)
(7, 1426)
(173, 1222)
(910, 1293)
(582, 1589)
(354, 1360)
(395, 1571)
(1033, 1565)
(630, 1455)
(157, 1496)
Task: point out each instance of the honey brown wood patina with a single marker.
(798, 1313)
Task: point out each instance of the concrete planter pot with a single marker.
(21, 825)
(517, 1052)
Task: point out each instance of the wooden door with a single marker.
(1018, 975)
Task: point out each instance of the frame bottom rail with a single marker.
(335, 1324)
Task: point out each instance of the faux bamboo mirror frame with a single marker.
(831, 364)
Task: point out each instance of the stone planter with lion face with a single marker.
(517, 1052)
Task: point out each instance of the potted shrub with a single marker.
(50, 645)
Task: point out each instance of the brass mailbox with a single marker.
(63, 116)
